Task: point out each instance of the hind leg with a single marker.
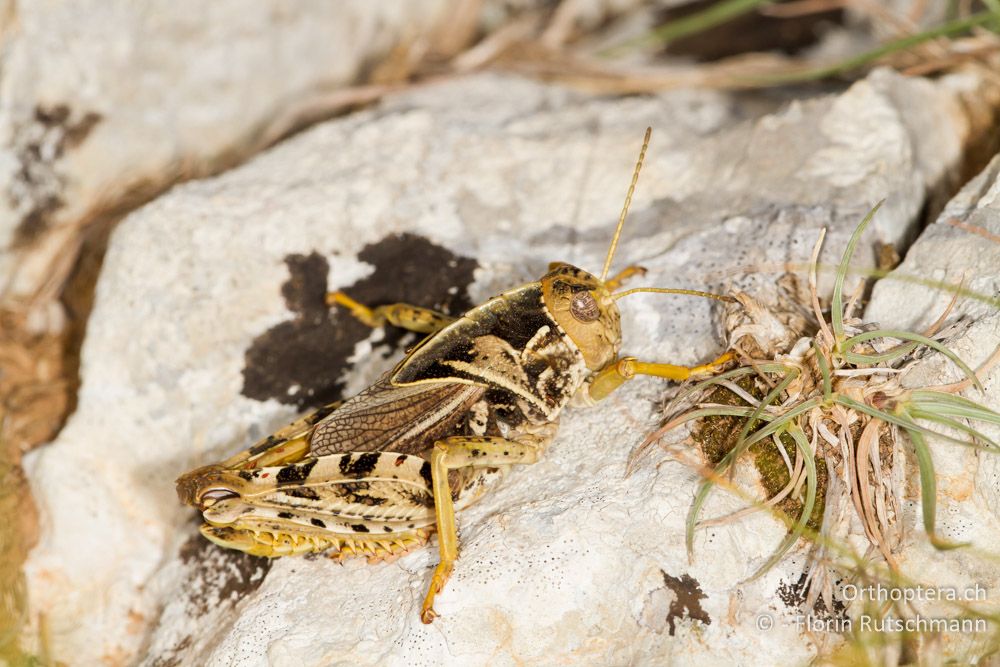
(403, 315)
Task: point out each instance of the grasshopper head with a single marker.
(205, 486)
(584, 308)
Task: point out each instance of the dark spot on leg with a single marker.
(265, 445)
(285, 515)
(303, 492)
(365, 499)
(360, 466)
(296, 473)
(246, 474)
(425, 472)
(317, 522)
(359, 528)
(387, 529)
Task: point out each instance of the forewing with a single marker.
(404, 419)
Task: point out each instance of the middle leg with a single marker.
(461, 452)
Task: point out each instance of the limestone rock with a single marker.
(209, 331)
(105, 99)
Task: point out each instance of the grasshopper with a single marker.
(377, 474)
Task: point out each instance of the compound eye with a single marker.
(583, 307)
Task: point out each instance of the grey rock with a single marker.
(107, 99)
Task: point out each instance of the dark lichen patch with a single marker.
(301, 361)
(793, 595)
(35, 191)
(219, 575)
(215, 580)
(687, 600)
(717, 436)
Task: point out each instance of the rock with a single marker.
(209, 331)
(108, 102)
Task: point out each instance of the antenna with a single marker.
(628, 200)
(665, 290)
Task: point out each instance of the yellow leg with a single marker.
(288, 444)
(449, 454)
(413, 318)
(623, 276)
(626, 368)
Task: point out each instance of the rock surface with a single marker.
(209, 329)
(103, 99)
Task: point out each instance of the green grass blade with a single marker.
(824, 370)
(945, 409)
(915, 337)
(715, 379)
(837, 306)
(766, 401)
(802, 444)
(718, 411)
(957, 406)
(899, 420)
(706, 486)
(943, 420)
(898, 351)
(720, 469)
(715, 14)
(778, 421)
(928, 490)
(950, 28)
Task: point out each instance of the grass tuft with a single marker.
(839, 400)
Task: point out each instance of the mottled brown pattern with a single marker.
(382, 416)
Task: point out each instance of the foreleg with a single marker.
(626, 368)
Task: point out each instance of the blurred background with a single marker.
(107, 104)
